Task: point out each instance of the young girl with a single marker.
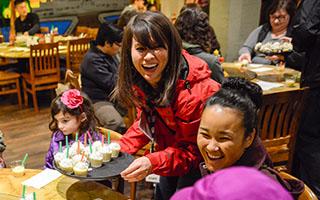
(71, 113)
(228, 132)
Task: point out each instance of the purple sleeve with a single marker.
(54, 146)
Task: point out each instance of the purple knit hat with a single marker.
(234, 183)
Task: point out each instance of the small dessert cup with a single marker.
(17, 168)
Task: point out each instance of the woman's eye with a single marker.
(205, 135)
(140, 49)
(65, 121)
(224, 139)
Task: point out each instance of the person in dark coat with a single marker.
(99, 72)
(306, 38)
(26, 23)
(228, 132)
(195, 31)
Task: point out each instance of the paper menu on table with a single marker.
(254, 65)
(268, 85)
(261, 69)
(42, 179)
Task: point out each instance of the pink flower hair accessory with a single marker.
(72, 98)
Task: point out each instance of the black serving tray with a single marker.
(106, 171)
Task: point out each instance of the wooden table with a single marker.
(62, 188)
(22, 52)
(274, 74)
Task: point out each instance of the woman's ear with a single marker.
(83, 117)
(249, 139)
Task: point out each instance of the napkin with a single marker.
(268, 85)
(262, 69)
(42, 179)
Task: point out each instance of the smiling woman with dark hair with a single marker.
(168, 87)
(228, 134)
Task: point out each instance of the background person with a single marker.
(26, 23)
(168, 87)
(99, 72)
(280, 15)
(194, 29)
(306, 38)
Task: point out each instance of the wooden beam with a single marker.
(12, 20)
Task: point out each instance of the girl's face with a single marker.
(150, 63)
(221, 137)
(67, 123)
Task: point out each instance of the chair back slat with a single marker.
(278, 122)
(76, 49)
(44, 60)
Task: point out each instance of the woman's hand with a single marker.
(245, 56)
(137, 170)
(275, 58)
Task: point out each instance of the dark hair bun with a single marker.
(246, 88)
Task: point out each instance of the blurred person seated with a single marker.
(233, 184)
(99, 72)
(137, 5)
(194, 29)
(280, 14)
(125, 18)
(2, 148)
(26, 23)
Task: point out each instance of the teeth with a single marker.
(150, 66)
(213, 156)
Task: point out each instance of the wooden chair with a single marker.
(307, 193)
(9, 84)
(72, 79)
(44, 71)
(82, 30)
(92, 32)
(278, 123)
(76, 49)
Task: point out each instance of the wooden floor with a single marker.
(27, 132)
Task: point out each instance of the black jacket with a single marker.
(30, 24)
(211, 60)
(99, 73)
(306, 38)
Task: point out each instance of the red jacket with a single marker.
(176, 126)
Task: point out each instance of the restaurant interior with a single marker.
(36, 68)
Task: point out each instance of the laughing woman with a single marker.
(168, 87)
(228, 132)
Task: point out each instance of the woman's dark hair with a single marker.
(193, 27)
(125, 17)
(152, 30)
(242, 95)
(288, 5)
(86, 107)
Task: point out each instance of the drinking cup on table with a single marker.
(17, 168)
(290, 81)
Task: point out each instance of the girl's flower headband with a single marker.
(72, 98)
